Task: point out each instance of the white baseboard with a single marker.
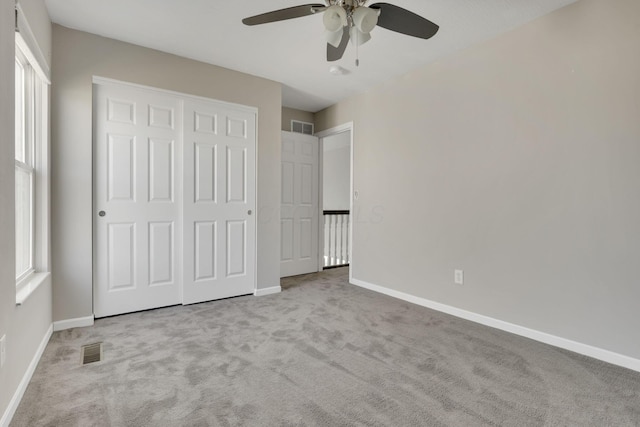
(267, 291)
(79, 322)
(584, 349)
(26, 378)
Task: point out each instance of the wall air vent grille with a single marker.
(301, 127)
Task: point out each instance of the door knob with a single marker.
(249, 212)
(102, 213)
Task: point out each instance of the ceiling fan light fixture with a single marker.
(334, 37)
(335, 17)
(357, 37)
(365, 19)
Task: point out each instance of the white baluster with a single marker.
(325, 227)
(347, 260)
(335, 240)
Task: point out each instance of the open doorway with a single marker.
(336, 153)
(315, 215)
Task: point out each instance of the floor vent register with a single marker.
(91, 353)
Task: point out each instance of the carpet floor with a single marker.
(321, 353)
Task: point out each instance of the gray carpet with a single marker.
(321, 353)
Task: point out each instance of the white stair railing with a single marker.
(336, 238)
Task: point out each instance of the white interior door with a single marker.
(219, 202)
(299, 209)
(137, 149)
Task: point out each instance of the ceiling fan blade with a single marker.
(282, 14)
(400, 20)
(335, 53)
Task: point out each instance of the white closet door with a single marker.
(137, 161)
(219, 202)
(299, 209)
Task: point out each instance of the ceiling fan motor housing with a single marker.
(348, 3)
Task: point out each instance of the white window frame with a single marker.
(36, 163)
(26, 165)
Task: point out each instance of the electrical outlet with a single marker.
(3, 350)
(458, 277)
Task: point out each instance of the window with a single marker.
(31, 97)
(24, 168)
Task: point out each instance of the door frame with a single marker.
(345, 127)
(106, 81)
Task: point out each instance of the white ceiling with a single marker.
(293, 52)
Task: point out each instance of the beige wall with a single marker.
(289, 114)
(77, 57)
(7, 230)
(40, 24)
(517, 161)
(336, 171)
(25, 327)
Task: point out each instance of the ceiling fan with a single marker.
(346, 20)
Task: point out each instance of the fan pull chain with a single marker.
(357, 49)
